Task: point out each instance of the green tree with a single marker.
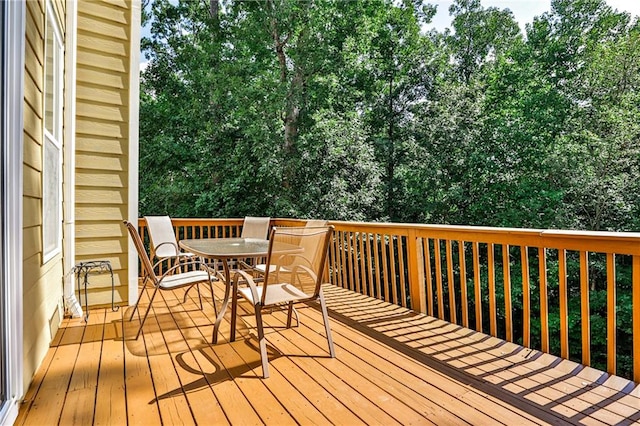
(226, 98)
(480, 36)
(399, 79)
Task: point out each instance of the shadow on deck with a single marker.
(392, 367)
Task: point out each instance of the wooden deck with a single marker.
(392, 367)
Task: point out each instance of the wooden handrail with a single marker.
(466, 275)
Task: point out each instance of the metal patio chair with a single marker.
(163, 242)
(289, 279)
(199, 273)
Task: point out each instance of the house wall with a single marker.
(42, 282)
(103, 184)
(102, 141)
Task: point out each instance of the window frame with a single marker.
(4, 366)
(12, 63)
(52, 142)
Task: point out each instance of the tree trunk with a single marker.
(214, 7)
(292, 114)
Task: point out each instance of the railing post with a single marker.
(635, 297)
(416, 273)
(611, 313)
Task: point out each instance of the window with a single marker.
(12, 65)
(3, 296)
(52, 153)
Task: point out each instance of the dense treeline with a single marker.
(351, 110)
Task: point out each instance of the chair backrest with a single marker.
(147, 267)
(297, 256)
(162, 237)
(255, 227)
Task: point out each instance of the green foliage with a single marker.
(345, 177)
(350, 110)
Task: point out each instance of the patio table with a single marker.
(226, 249)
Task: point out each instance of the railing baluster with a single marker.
(351, 251)
(477, 287)
(377, 240)
(463, 284)
(544, 303)
(438, 261)
(564, 304)
(611, 313)
(506, 274)
(366, 263)
(429, 282)
(401, 268)
(357, 260)
(370, 243)
(526, 297)
(362, 255)
(415, 266)
(493, 314)
(585, 314)
(385, 269)
(450, 283)
(332, 261)
(394, 280)
(343, 256)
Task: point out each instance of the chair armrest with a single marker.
(308, 271)
(174, 245)
(155, 265)
(179, 255)
(244, 264)
(299, 256)
(249, 280)
(203, 267)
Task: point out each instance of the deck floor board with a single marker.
(392, 367)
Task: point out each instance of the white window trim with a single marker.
(134, 102)
(68, 243)
(12, 206)
(52, 20)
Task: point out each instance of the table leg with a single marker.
(234, 312)
(225, 303)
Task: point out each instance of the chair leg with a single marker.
(262, 343)
(144, 287)
(292, 311)
(186, 293)
(234, 310)
(228, 293)
(146, 312)
(327, 329)
(199, 297)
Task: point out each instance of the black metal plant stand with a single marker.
(82, 271)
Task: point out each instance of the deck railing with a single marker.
(522, 285)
